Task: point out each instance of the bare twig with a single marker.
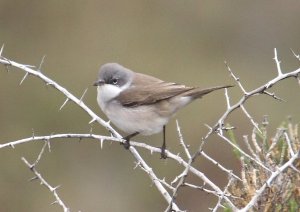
(25, 76)
(182, 141)
(41, 63)
(65, 102)
(229, 172)
(273, 96)
(277, 62)
(53, 190)
(222, 196)
(243, 152)
(227, 98)
(296, 55)
(1, 50)
(82, 96)
(235, 78)
(250, 118)
(40, 155)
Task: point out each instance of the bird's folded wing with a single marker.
(150, 93)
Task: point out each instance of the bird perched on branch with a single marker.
(141, 104)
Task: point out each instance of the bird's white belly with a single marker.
(142, 119)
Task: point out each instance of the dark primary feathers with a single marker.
(150, 90)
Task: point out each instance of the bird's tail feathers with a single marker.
(199, 92)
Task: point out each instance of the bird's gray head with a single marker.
(114, 74)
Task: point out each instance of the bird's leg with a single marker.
(127, 139)
(163, 147)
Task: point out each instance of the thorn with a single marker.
(55, 202)
(1, 50)
(292, 51)
(12, 146)
(33, 178)
(28, 66)
(227, 98)
(55, 188)
(32, 166)
(83, 94)
(277, 62)
(24, 78)
(64, 104)
(137, 164)
(101, 142)
(42, 61)
(32, 130)
(297, 56)
(274, 96)
(93, 120)
(175, 180)
(275, 53)
(49, 145)
(206, 125)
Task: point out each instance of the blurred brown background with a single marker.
(180, 41)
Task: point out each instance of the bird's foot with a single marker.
(127, 138)
(126, 144)
(163, 154)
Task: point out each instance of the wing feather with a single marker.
(146, 90)
(150, 91)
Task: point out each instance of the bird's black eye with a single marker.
(114, 81)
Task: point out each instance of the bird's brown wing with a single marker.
(150, 93)
(147, 90)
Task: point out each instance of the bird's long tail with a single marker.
(199, 92)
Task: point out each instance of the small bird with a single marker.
(141, 104)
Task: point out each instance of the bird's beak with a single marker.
(98, 83)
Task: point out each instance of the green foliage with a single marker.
(227, 209)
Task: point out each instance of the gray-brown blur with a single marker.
(175, 40)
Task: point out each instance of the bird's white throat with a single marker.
(107, 92)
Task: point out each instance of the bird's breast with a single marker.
(143, 119)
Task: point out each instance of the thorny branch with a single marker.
(161, 184)
(44, 182)
(38, 176)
